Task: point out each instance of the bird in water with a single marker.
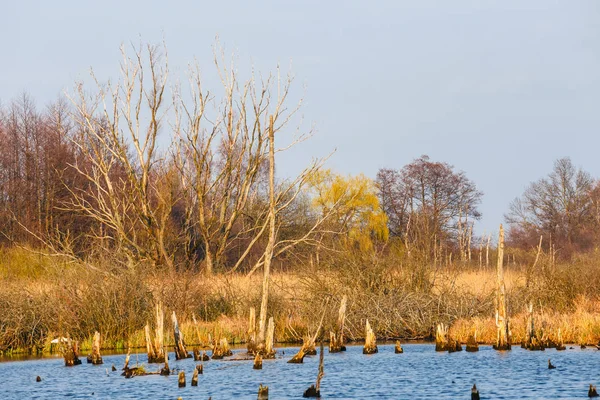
(592, 391)
(474, 393)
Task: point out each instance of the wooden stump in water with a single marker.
(38, 379)
(502, 323)
(298, 358)
(71, 353)
(592, 391)
(155, 347)
(269, 351)
(336, 338)
(181, 379)
(532, 342)
(315, 390)
(257, 361)
(559, 342)
(263, 392)
(474, 393)
(453, 346)
(441, 337)
(472, 345)
(200, 369)
(166, 371)
(95, 358)
(251, 341)
(398, 348)
(180, 351)
(370, 340)
(195, 377)
(221, 350)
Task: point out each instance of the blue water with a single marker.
(419, 373)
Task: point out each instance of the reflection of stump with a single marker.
(257, 361)
(398, 348)
(472, 345)
(181, 379)
(95, 358)
(263, 392)
(370, 340)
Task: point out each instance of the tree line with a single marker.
(152, 174)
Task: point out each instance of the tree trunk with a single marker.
(503, 339)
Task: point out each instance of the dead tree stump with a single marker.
(181, 379)
(560, 346)
(263, 392)
(472, 345)
(315, 390)
(71, 353)
(195, 377)
(180, 351)
(166, 371)
(257, 361)
(441, 337)
(370, 340)
(95, 358)
(502, 323)
(298, 358)
(532, 342)
(155, 348)
(336, 337)
(251, 340)
(398, 348)
(200, 368)
(474, 393)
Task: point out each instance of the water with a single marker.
(419, 373)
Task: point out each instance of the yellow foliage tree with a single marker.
(354, 205)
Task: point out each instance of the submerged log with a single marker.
(398, 348)
(263, 392)
(336, 337)
(502, 322)
(315, 390)
(257, 361)
(154, 347)
(71, 353)
(472, 345)
(180, 351)
(181, 379)
(195, 377)
(370, 340)
(95, 358)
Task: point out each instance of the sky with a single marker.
(498, 89)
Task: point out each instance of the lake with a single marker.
(418, 373)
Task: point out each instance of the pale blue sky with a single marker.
(500, 89)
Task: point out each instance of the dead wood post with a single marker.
(308, 345)
(181, 379)
(441, 337)
(336, 337)
(263, 392)
(370, 340)
(180, 351)
(315, 390)
(269, 351)
(195, 377)
(398, 348)
(95, 358)
(252, 331)
(472, 345)
(257, 361)
(502, 323)
(155, 348)
(71, 353)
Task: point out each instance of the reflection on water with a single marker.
(419, 373)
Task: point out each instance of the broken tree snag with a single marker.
(166, 371)
(221, 349)
(398, 348)
(131, 372)
(336, 338)
(315, 390)
(251, 346)
(180, 351)
(441, 337)
(298, 357)
(502, 323)
(195, 377)
(472, 345)
(263, 392)
(200, 341)
(559, 342)
(155, 347)
(95, 358)
(532, 342)
(370, 340)
(71, 353)
(269, 351)
(257, 361)
(200, 368)
(181, 379)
